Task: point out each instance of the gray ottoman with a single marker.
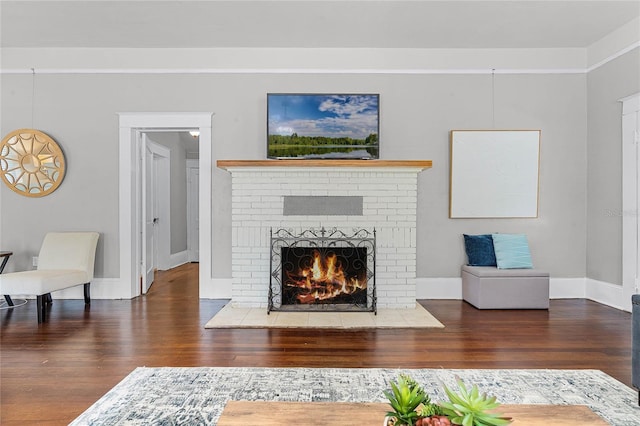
(487, 287)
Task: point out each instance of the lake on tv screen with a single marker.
(342, 152)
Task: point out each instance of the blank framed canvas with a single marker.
(494, 173)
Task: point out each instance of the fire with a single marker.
(325, 279)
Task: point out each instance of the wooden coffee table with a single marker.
(268, 413)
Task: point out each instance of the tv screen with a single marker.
(324, 126)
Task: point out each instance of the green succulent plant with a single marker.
(429, 409)
(471, 408)
(405, 396)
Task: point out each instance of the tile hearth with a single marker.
(240, 317)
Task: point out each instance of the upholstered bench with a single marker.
(66, 260)
(487, 287)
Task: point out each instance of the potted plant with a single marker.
(412, 406)
(471, 408)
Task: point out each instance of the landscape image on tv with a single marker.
(325, 126)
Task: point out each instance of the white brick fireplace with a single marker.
(377, 194)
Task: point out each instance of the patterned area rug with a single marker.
(197, 396)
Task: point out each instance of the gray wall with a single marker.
(606, 86)
(178, 190)
(80, 112)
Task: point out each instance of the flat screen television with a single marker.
(323, 126)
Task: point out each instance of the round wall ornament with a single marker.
(31, 162)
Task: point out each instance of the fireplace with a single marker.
(320, 270)
(303, 194)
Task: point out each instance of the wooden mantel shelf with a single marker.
(421, 164)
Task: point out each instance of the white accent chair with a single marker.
(66, 260)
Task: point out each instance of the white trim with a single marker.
(630, 197)
(607, 294)
(289, 60)
(192, 254)
(101, 288)
(612, 57)
(606, 47)
(219, 288)
(567, 288)
(559, 288)
(451, 288)
(439, 288)
(418, 71)
(129, 123)
(177, 259)
(630, 104)
(355, 61)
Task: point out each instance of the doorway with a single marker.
(131, 126)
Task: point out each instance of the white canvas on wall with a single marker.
(494, 173)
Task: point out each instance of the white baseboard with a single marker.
(439, 288)
(426, 288)
(177, 259)
(101, 288)
(567, 288)
(559, 288)
(216, 288)
(114, 288)
(606, 293)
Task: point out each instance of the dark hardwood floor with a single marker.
(50, 373)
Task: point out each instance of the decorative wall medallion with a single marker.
(31, 162)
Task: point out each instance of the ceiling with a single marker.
(307, 23)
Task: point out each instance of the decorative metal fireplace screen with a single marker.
(322, 270)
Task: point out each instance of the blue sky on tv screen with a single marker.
(353, 116)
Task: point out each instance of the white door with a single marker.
(149, 214)
(155, 208)
(193, 222)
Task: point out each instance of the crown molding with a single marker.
(610, 46)
(316, 61)
(289, 60)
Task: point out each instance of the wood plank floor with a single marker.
(53, 372)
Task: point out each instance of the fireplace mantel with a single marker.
(420, 164)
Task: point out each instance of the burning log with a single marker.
(323, 280)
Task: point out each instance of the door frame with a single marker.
(630, 198)
(191, 197)
(130, 124)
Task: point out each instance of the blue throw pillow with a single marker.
(479, 250)
(512, 251)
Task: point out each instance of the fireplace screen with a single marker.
(323, 270)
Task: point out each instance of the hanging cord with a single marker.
(33, 96)
(16, 303)
(493, 98)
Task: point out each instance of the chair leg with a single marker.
(87, 294)
(8, 299)
(40, 302)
